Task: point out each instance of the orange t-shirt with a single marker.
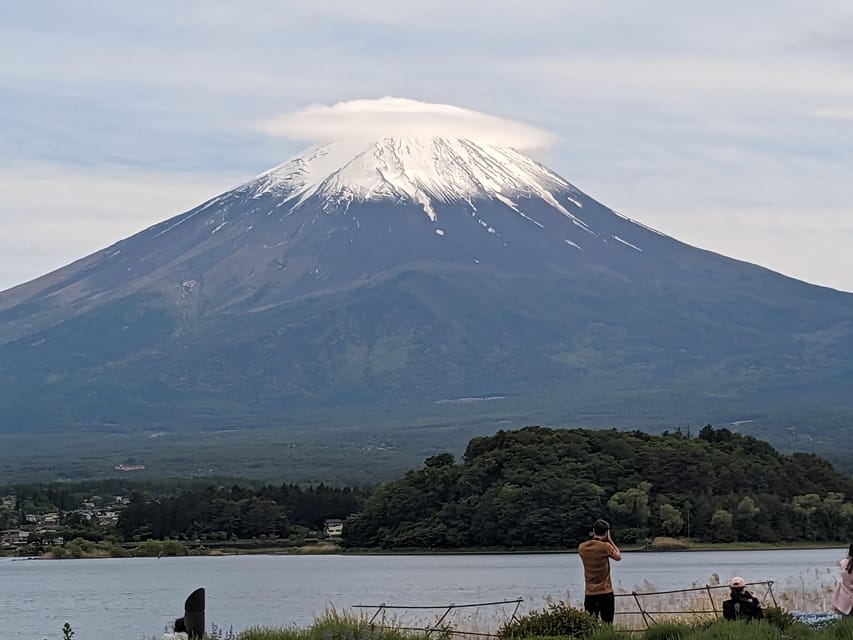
(595, 555)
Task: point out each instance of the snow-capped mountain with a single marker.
(427, 173)
(422, 170)
(407, 272)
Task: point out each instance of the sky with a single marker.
(728, 125)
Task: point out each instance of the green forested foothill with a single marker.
(539, 487)
(531, 488)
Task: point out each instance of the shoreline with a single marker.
(337, 550)
(716, 547)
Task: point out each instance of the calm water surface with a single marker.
(132, 598)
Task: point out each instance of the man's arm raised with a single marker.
(614, 550)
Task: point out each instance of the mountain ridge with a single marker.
(307, 290)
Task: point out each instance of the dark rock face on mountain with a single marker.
(404, 273)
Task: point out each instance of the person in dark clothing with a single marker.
(741, 605)
(596, 555)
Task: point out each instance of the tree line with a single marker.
(181, 510)
(534, 488)
(539, 487)
(220, 513)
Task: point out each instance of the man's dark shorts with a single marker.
(601, 606)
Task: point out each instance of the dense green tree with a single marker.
(532, 487)
(805, 507)
(632, 505)
(216, 513)
(538, 487)
(830, 518)
(744, 517)
(671, 520)
(722, 526)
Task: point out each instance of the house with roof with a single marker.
(333, 528)
(14, 537)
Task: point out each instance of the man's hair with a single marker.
(600, 527)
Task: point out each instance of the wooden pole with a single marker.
(194, 614)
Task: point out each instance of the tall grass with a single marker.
(346, 627)
(722, 630)
(810, 592)
(669, 616)
(335, 625)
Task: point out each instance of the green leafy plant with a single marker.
(778, 617)
(559, 619)
(336, 625)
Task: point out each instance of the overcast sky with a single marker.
(728, 125)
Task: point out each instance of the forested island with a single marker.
(539, 487)
(534, 488)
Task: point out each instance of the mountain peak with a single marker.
(412, 273)
(420, 169)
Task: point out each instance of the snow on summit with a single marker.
(467, 173)
(422, 169)
(395, 148)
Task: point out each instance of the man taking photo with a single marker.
(596, 555)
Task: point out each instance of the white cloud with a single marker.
(400, 117)
(837, 113)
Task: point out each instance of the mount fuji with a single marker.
(409, 275)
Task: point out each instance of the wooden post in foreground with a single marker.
(194, 614)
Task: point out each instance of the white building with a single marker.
(333, 528)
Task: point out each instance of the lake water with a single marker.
(132, 598)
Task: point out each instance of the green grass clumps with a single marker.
(607, 632)
(776, 626)
(264, 633)
(333, 625)
(779, 617)
(559, 619)
(668, 631)
(661, 631)
(561, 622)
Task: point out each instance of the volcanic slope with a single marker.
(403, 275)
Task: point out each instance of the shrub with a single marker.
(84, 546)
(334, 625)
(148, 549)
(117, 551)
(76, 548)
(558, 619)
(662, 543)
(58, 552)
(778, 617)
(173, 548)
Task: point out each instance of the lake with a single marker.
(132, 598)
